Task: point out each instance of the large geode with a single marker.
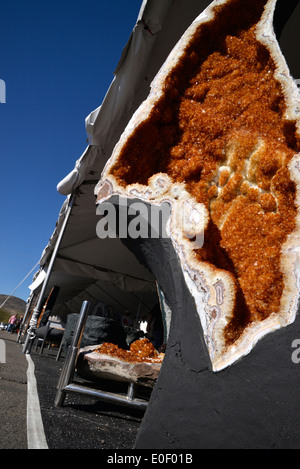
(218, 139)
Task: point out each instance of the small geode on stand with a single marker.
(94, 365)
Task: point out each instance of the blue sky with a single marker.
(57, 60)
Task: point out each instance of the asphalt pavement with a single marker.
(13, 394)
(82, 422)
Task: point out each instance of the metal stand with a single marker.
(66, 384)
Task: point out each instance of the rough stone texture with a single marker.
(252, 404)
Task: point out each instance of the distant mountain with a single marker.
(13, 305)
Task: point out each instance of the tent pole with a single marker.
(38, 309)
(28, 306)
(138, 314)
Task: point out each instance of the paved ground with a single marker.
(13, 395)
(81, 423)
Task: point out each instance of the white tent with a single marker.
(87, 268)
(76, 260)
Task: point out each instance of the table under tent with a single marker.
(87, 269)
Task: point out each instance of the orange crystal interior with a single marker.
(220, 128)
(142, 350)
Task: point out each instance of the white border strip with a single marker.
(36, 438)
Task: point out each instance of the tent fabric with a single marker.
(92, 161)
(89, 268)
(81, 245)
(76, 289)
(38, 280)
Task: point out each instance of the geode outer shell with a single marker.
(218, 139)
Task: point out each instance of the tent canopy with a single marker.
(93, 269)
